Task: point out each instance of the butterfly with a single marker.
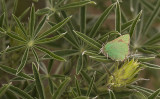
(117, 49)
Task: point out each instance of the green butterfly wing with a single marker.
(118, 49)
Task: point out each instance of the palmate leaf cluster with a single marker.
(80, 71)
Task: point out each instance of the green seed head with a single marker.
(30, 43)
(125, 75)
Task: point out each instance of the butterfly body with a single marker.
(118, 49)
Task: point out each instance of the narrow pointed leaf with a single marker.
(13, 72)
(15, 6)
(101, 19)
(88, 40)
(32, 20)
(35, 55)
(152, 17)
(50, 65)
(4, 88)
(2, 18)
(51, 54)
(81, 97)
(2, 30)
(142, 89)
(149, 65)
(23, 61)
(30, 87)
(51, 39)
(91, 85)
(83, 19)
(24, 13)
(61, 88)
(43, 11)
(19, 25)
(51, 87)
(11, 49)
(63, 53)
(148, 5)
(16, 37)
(20, 92)
(118, 17)
(133, 26)
(79, 64)
(88, 80)
(54, 28)
(39, 84)
(154, 95)
(111, 94)
(40, 25)
(77, 87)
(127, 25)
(76, 4)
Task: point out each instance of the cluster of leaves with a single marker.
(80, 73)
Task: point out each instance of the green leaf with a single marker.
(50, 65)
(19, 25)
(88, 40)
(140, 95)
(154, 95)
(4, 88)
(2, 30)
(142, 89)
(61, 88)
(32, 21)
(88, 80)
(76, 4)
(54, 28)
(77, 87)
(149, 65)
(81, 97)
(30, 87)
(58, 76)
(83, 19)
(100, 58)
(40, 25)
(153, 40)
(43, 11)
(51, 87)
(133, 26)
(105, 37)
(71, 37)
(20, 92)
(15, 6)
(152, 17)
(24, 13)
(54, 56)
(23, 61)
(35, 55)
(148, 5)
(11, 49)
(80, 64)
(111, 94)
(127, 25)
(43, 67)
(118, 18)
(39, 84)
(13, 72)
(16, 37)
(2, 18)
(99, 22)
(51, 39)
(91, 84)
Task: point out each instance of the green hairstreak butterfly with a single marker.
(117, 49)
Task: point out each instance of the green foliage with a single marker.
(55, 54)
